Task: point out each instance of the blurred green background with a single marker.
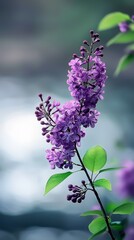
(37, 40)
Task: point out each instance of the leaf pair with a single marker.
(123, 208)
(94, 160)
(99, 226)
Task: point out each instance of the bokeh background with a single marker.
(37, 39)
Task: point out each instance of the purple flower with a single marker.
(86, 86)
(129, 233)
(123, 27)
(132, 18)
(60, 157)
(96, 207)
(62, 125)
(126, 179)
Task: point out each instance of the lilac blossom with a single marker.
(62, 125)
(123, 27)
(126, 179)
(86, 86)
(60, 157)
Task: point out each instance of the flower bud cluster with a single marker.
(78, 192)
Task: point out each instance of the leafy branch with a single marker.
(126, 36)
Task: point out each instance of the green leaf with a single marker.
(125, 208)
(111, 206)
(126, 37)
(97, 234)
(95, 158)
(117, 225)
(92, 212)
(112, 19)
(131, 26)
(130, 48)
(97, 225)
(124, 62)
(103, 183)
(110, 169)
(55, 180)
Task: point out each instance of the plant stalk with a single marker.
(96, 195)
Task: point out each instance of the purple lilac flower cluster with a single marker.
(126, 179)
(78, 192)
(63, 124)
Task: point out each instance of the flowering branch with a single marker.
(63, 127)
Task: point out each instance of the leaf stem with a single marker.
(96, 195)
(96, 176)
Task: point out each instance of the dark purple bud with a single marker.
(85, 42)
(91, 33)
(101, 47)
(69, 197)
(132, 18)
(70, 186)
(74, 200)
(75, 55)
(41, 105)
(42, 123)
(79, 200)
(95, 35)
(74, 191)
(97, 49)
(43, 134)
(49, 105)
(83, 197)
(83, 182)
(96, 40)
(83, 49)
(40, 96)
